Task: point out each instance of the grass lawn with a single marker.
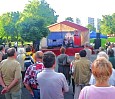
(103, 41)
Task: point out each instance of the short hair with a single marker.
(102, 54)
(77, 56)
(39, 54)
(87, 44)
(49, 59)
(28, 49)
(21, 51)
(111, 52)
(62, 50)
(1, 47)
(101, 49)
(101, 69)
(11, 52)
(82, 53)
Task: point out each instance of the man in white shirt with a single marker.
(52, 84)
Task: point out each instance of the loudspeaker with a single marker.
(97, 43)
(98, 35)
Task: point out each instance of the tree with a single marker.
(47, 13)
(33, 29)
(69, 19)
(91, 28)
(78, 21)
(9, 26)
(108, 24)
(1, 29)
(40, 10)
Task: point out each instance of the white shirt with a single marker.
(111, 79)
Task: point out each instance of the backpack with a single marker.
(28, 61)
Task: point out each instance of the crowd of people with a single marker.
(36, 72)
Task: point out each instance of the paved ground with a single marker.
(68, 95)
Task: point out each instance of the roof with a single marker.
(70, 24)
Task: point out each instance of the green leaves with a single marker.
(69, 19)
(31, 24)
(108, 24)
(91, 28)
(33, 29)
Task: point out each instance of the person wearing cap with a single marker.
(30, 79)
(52, 84)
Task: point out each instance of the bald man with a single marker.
(10, 76)
(31, 74)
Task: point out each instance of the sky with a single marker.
(67, 8)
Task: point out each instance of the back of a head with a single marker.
(39, 55)
(11, 52)
(111, 52)
(62, 50)
(102, 54)
(1, 47)
(77, 56)
(86, 44)
(28, 49)
(21, 51)
(101, 49)
(82, 53)
(101, 69)
(49, 59)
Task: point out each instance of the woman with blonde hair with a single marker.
(102, 70)
(77, 57)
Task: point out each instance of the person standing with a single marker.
(30, 79)
(52, 84)
(64, 64)
(112, 77)
(10, 76)
(20, 58)
(77, 57)
(102, 70)
(16, 45)
(107, 44)
(82, 73)
(111, 57)
(88, 50)
(9, 44)
(2, 53)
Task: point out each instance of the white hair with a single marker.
(21, 50)
(103, 54)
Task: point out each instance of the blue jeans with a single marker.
(13, 95)
(36, 94)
